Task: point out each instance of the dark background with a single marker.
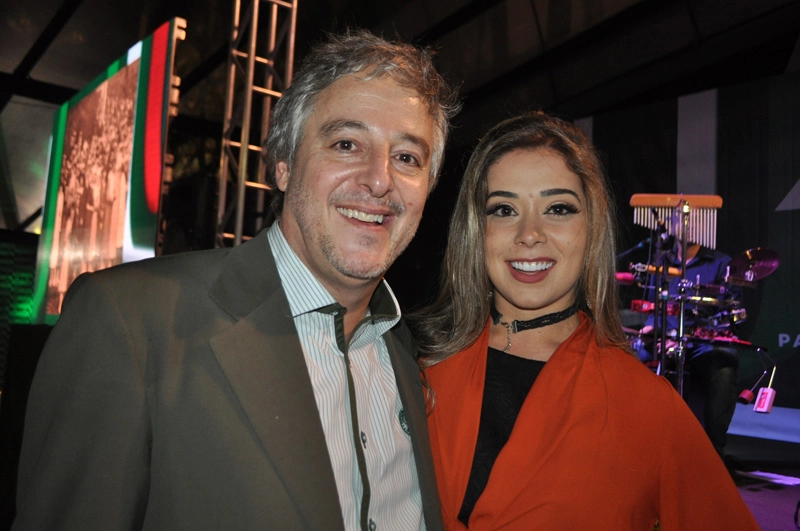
(623, 64)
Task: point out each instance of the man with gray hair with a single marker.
(272, 385)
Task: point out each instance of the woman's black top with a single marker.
(508, 380)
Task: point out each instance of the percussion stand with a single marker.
(653, 210)
(680, 356)
(661, 283)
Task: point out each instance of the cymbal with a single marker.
(700, 300)
(753, 264)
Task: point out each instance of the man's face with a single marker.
(356, 192)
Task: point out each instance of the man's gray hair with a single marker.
(359, 52)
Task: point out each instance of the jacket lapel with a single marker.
(263, 361)
(409, 385)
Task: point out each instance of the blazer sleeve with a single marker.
(85, 450)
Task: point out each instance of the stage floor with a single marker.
(767, 473)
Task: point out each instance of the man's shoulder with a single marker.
(180, 261)
(150, 279)
(192, 265)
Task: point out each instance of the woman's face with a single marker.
(536, 233)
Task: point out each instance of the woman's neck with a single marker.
(538, 343)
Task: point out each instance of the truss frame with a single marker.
(261, 50)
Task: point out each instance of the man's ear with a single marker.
(282, 176)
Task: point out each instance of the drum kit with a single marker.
(704, 312)
(716, 307)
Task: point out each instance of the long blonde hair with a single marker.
(461, 308)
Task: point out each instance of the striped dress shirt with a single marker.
(395, 502)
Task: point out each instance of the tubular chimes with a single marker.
(649, 210)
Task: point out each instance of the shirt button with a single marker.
(364, 439)
(372, 525)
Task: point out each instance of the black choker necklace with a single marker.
(518, 326)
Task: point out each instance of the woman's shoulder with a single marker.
(622, 367)
(460, 365)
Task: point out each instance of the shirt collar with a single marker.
(307, 294)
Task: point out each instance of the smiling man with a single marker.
(272, 385)
(358, 187)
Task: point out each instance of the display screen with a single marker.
(105, 170)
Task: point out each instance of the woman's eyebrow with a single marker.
(503, 193)
(557, 191)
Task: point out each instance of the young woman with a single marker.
(540, 416)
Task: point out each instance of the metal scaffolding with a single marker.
(262, 51)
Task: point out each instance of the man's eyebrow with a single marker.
(334, 126)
